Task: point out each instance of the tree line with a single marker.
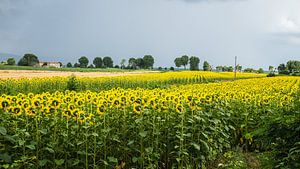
(291, 67)
(145, 62)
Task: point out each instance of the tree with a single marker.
(11, 61)
(206, 66)
(260, 70)
(239, 68)
(76, 65)
(148, 61)
(108, 62)
(249, 70)
(28, 60)
(139, 63)
(194, 63)
(271, 68)
(178, 62)
(185, 60)
(132, 63)
(219, 68)
(172, 68)
(83, 61)
(230, 69)
(69, 64)
(91, 66)
(293, 66)
(282, 69)
(123, 61)
(98, 62)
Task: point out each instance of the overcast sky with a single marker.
(259, 32)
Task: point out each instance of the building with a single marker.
(49, 64)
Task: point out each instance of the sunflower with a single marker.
(55, 103)
(17, 111)
(137, 108)
(5, 103)
(179, 108)
(100, 109)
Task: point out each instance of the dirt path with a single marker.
(34, 74)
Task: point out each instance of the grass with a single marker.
(8, 67)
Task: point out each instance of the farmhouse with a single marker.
(49, 64)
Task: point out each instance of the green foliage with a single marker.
(83, 61)
(260, 70)
(28, 60)
(239, 68)
(139, 63)
(72, 83)
(76, 65)
(271, 74)
(69, 65)
(293, 66)
(132, 63)
(249, 70)
(11, 61)
(206, 66)
(185, 60)
(123, 61)
(148, 61)
(282, 69)
(108, 62)
(98, 62)
(194, 63)
(178, 62)
(225, 68)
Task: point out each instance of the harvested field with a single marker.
(36, 74)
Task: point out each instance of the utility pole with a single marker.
(235, 59)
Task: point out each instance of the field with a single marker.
(17, 74)
(64, 69)
(158, 120)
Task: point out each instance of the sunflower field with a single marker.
(173, 124)
(150, 80)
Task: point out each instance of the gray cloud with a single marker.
(64, 30)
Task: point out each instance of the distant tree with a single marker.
(178, 62)
(83, 61)
(76, 65)
(282, 69)
(249, 70)
(160, 68)
(206, 66)
(69, 64)
(28, 60)
(98, 62)
(271, 68)
(239, 68)
(148, 61)
(172, 68)
(11, 61)
(91, 66)
(260, 70)
(123, 61)
(132, 63)
(194, 63)
(117, 66)
(139, 63)
(166, 68)
(293, 66)
(108, 62)
(219, 68)
(230, 69)
(185, 60)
